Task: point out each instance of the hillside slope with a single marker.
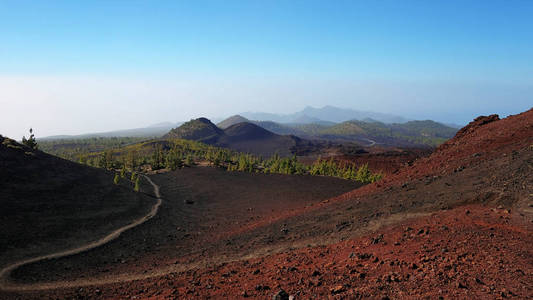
(236, 119)
(242, 136)
(412, 133)
(49, 203)
(250, 138)
(201, 130)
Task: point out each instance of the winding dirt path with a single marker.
(7, 285)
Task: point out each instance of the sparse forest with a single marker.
(124, 155)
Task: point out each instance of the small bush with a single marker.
(137, 185)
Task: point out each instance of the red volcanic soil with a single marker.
(386, 162)
(485, 138)
(456, 224)
(472, 252)
(482, 140)
(201, 209)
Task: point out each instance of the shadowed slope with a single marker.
(49, 203)
(201, 130)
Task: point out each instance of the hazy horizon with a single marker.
(73, 68)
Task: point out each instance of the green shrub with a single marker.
(137, 185)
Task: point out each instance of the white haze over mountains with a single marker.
(327, 113)
(75, 104)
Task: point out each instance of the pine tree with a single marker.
(30, 142)
(137, 185)
(131, 160)
(189, 160)
(123, 171)
(109, 164)
(102, 162)
(83, 160)
(363, 174)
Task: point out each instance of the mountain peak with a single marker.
(204, 120)
(201, 129)
(232, 121)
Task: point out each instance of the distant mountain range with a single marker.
(328, 114)
(155, 130)
(411, 133)
(326, 123)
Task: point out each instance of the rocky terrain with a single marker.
(455, 224)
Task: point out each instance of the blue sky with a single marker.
(128, 64)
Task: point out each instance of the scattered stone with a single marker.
(364, 256)
(377, 239)
(343, 225)
(503, 294)
(338, 289)
(280, 295)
